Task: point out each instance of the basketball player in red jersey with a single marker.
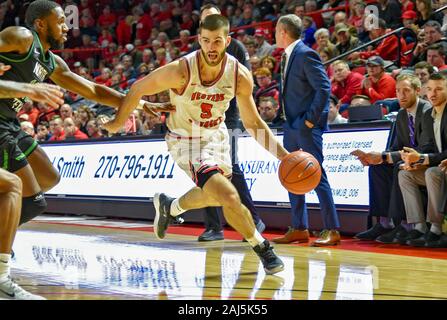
(201, 86)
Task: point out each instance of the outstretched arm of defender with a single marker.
(257, 128)
(69, 80)
(171, 76)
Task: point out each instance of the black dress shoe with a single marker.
(372, 233)
(211, 235)
(441, 243)
(412, 234)
(423, 240)
(393, 236)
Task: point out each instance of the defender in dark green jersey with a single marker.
(27, 50)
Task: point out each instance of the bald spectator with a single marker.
(378, 85)
(72, 132)
(66, 111)
(345, 83)
(43, 132)
(255, 63)
(263, 47)
(360, 100)
(57, 129)
(436, 56)
(31, 111)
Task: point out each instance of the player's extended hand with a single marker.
(155, 108)
(4, 68)
(45, 93)
(110, 125)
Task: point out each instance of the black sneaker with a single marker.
(393, 236)
(413, 234)
(424, 239)
(272, 264)
(372, 233)
(441, 243)
(162, 204)
(211, 235)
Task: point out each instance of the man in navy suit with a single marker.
(305, 92)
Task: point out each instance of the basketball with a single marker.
(299, 172)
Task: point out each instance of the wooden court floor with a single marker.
(71, 259)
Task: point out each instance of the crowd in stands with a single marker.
(119, 42)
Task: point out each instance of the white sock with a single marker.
(4, 266)
(421, 227)
(176, 210)
(256, 239)
(436, 228)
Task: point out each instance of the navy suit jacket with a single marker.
(306, 89)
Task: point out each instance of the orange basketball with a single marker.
(299, 172)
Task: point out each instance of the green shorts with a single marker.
(15, 145)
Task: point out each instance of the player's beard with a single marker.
(211, 63)
(54, 43)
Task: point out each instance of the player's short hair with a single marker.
(215, 22)
(209, 6)
(414, 80)
(39, 9)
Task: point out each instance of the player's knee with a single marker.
(32, 207)
(230, 199)
(12, 183)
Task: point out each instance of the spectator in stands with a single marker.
(65, 111)
(267, 86)
(147, 56)
(74, 40)
(129, 71)
(385, 197)
(409, 21)
(356, 17)
(432, 34)
(329, 15)
(268, 110)
(84, 115)
(255, 63)
(87, 23)
(107, 19)
(436, 56)
(143, 24)
(310, 6)
(105, 38)
(334, 117)
(57, 129)
(106, 74)
(124, 31)
(247, 18)
(325, 55)
(378, 85)
(270, 63)
(345, 41)
(308, 31)
(72, 132)
(263, 47)
(299, 10)
(46, 113)
(93, 130)
(423, 70)
(28, 128)
(250, 45)
(322, 41)
(360, 100)
(160, 57)
(406, 5)
(30, 110)
(43, 133)
(426, 12)
(345, 83)
(387, 48)
(390, 12)
(185, 45)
